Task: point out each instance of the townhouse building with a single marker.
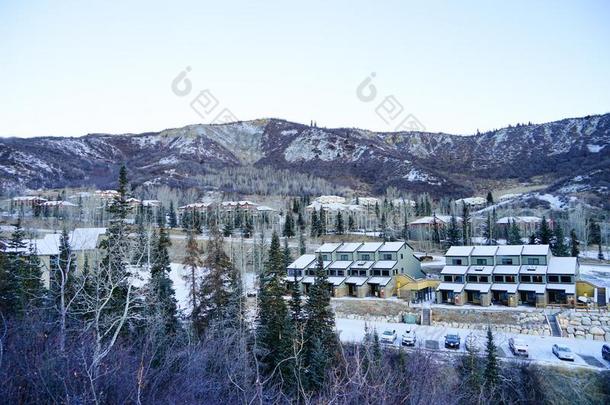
(507, 275)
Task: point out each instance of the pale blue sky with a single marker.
(76, 67)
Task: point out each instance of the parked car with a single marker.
(606, 352)
(409, 338)
(452, 341)
(472, 344)
(563, 352)
(388, 336)
(518, 347)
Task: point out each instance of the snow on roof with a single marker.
(429, 220)
(356, 280)
(308, 280)
(85, 238)
(459, 270)
(196, 205)
(29, 198)
(362, 264)
(402, 201)
(349, 247)
(336, 281)
(59, 204)
(509, 196)
(48, 245)
(340, 264)
(562, 265)
(264, 208)
(335, 206)
(455, 287)
(370, 247)
(314, 264)
(519, 220)
(472, 201)
(507, 270)
(459, 251)
(509, 250)
(537, 288)
(509, 288)
(379, 280)
(480, 287)
(391, 246)
(567, 288)
(537, 250)
(484, 270)
(532, 269)
(291, 278)
(366, 201)
(327, 199)
(484, 251)
(328, 247)
(303, 262)
(151, 203)
(384, 264)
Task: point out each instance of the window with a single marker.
(448, 278)
(366, 256)
(325, 257)
(387, 256)
(362, 272)
(401, 256)
(459, 279)
(553, 279)
(457, 262)
(533, 260)
(472, 279)
(340, 272)
(483, 279)
(498, 279)
(332, 272)
(375, 272)
(509, 279)
(385, 272)
(566, 279)
(526, 279)
(344, 257)
(537, 279)
(482, 262)
(507, 261)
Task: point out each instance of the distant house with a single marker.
(27, 201)
(508, 275)
(106, 194)
(473, 203)
(527, 224)
(59, 204)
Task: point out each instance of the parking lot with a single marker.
(587, 353)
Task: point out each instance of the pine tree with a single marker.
(574, 243)
(295, 303)
(595, 237)
(274, 330)
(215, 291)
(248, 229)
(227, 230)
(558, 245)
(302, 247)
(465, 224)
(322, 225)
(192, 265)
(350, 223)
(315, 224)
(161, 297)
(488, 231)
(453, 232)
(300, 222)
(288, 226)
(491, 374)
(339, 226)
(514, 234)
(173, 222)
(320, 339)
(545, 233)
(11, 292)
(436, 236)
(490, 198)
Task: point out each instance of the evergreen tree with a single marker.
(514, 234)
(315, 224)
(351, 225)
(492, 373)
(302, 248)
(161, 300)
(558, 243)
(63, 271)
(295, 303)
(248, 229)
(11, 292)
(173, 222)
(321, 342)
(465, 224)
(300, 222)
(595, 237)
(288, 226)
(545, 232)
(140, 253)
(274, 329)
(490, 198)
(453, 232)
(436, 236)
(574, 243)
(192, 264)
(227, 230)
(322, 226)
(161, 217)
(339, 226)
(488, 231)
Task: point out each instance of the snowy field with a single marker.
(587, 352)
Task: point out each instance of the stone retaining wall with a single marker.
(525, 322)
(592, 325)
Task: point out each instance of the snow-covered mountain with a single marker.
(570, 156)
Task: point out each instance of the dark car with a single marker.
(452, 341)
(606, 352)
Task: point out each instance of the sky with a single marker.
(75, 67)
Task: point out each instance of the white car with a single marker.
(388, 336)
(518, 347)
(408, 338)
(563, 352)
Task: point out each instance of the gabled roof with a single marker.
(459, 251)
(370, 247)
(85, 238)
(536, 250)
(48, 245)
(328, 248)
(391, 246)
(509, 250)
(356, 280)
(484, 251)
(562, 265)
(349, 247)
(336, 281)
(303, 262)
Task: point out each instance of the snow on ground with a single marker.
(351, 330)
